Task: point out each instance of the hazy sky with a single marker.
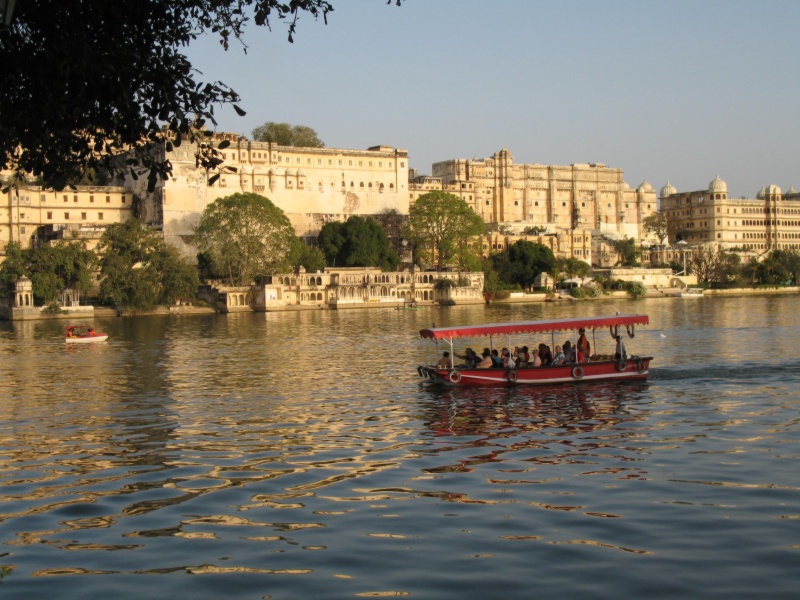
(665, 90)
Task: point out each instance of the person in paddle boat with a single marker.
(445, 362)
(486, 363)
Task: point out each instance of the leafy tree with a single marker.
(657, 224)
(523, 262)
(440, 225)
(393, 223)
(629, 252)
(12, 268)
(59, 266)
(285, 134)
(92, 78)
(140, 270)
(715, 266)
(572, 267)
(311, 258)
(245, 236)
(358, 242)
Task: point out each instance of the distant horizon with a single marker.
(666, 91)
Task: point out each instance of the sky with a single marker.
(673, 90)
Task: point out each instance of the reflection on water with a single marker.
(298, 454)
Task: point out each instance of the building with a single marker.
(311, 185)
(580, 196)
(30, 214)
(770, 221)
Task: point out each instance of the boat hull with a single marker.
(608, 370)
(89, 339)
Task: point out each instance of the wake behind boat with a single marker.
(83, 334)
(598, 367)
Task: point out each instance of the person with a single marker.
(621, 353)
(445, 362)
(486, 363)
(496, 361)
(521, 359)
(583, 345)
(535, 360)
(508, 360)
(559, 358)
(545, 355)
(569, 354)
(469, 357)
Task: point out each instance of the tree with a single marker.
(629, 252)
(285, 134)
(139, 270)
(572, 267)
(62, 265)
(523, 262)
(440, 225)
(12, 268)
(311, 258)
(657, 224)
(358, 242)
(245, 236)
(715, 265)
(116, 78)
(394, 224)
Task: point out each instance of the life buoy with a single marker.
(630, 328)
(455, 376)
(512, 376)
(622, 365)
(640, 366)
(577, 372)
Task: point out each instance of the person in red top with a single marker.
(583, 346)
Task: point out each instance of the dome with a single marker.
(761, 193)
(668, 190)
(718, 186)
(645, 187)
(625, 186)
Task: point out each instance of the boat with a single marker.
(598, 368)
(83, 334)
(691, 293)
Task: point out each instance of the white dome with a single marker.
(668, 190)
(718, 186)
(645, 187)
(761, 193)
(774, 190)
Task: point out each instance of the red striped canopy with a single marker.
(469, 331)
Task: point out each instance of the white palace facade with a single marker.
(312, 186)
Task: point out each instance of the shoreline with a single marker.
(34, 314)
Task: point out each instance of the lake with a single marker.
(299, 455)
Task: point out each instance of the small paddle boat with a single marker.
(83, 334)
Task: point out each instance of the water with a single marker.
(295, 455)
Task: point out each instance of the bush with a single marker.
(636, 289)
(577, 292)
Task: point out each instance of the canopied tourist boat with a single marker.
(599, 367)
(83, 334)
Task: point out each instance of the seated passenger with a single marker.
(469, 357)
(569, 353)
(497, 363)
(621, 353)
(445, 362)
(535, 361)
(508, 360)
(559, 358)
(545, 355)
(486, 363)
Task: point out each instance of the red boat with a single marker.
(599, 367)
(83, 334)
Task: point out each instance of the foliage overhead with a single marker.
(629, 252)
(442, 227)
(285, 134)
(140, 270)
(358, 242)
(657, 224)
(245, 236)
(87, 79)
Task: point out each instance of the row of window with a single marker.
(75, 198)
(299, 161)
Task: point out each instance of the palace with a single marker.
(311, 185)
(580, 196)
(31, 215)
(770, 221)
